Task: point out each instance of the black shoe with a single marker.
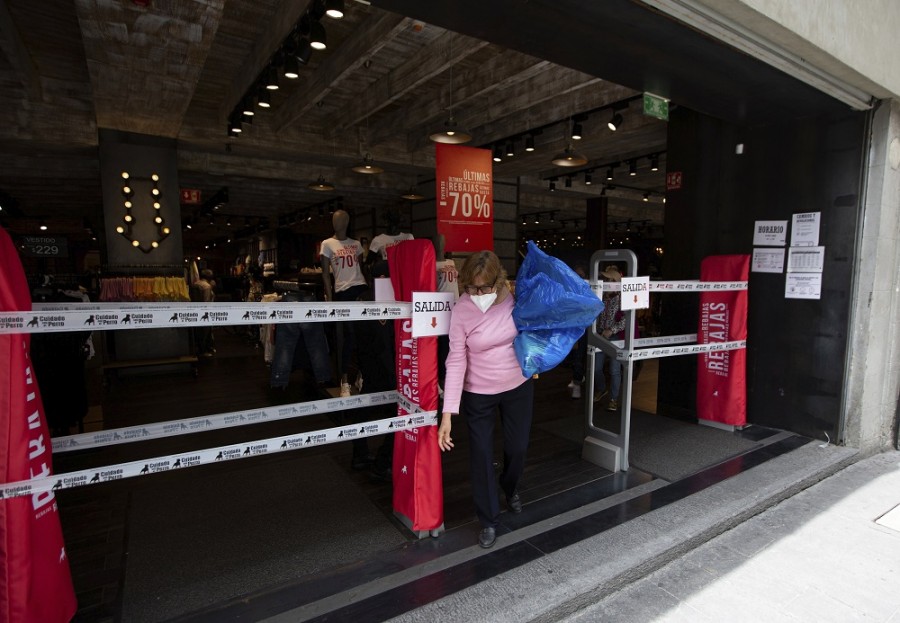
(487, 537)
(514, 503)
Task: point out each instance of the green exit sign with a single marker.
(656, 106)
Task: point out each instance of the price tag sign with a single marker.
(465, 197)
(44, 246)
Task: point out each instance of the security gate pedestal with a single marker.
(602, 454)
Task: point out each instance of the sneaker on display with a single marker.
(576, 391)
(612, 406)
(345, 390)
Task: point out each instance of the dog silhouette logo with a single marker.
(90, 320)
(332, 313)
(247, 451)
(96, 477)
(177, 463)
(219, 456)
(246, 316)
(146, 469)
(385, 311)
(308, 440)
(205, 316)
(174, 317)
(273, 314)
(363, 313)
(33, 322)
(362, 430)
(284, 444)
(126, 319)
(309, 314)
(57, 486)
(341, 434)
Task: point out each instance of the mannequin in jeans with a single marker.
(340, 257)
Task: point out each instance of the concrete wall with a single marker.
(874, 370)
(850, 39)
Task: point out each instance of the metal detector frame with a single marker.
(602, 447)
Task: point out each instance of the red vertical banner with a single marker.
(464, 194)
(35, 582)
(721, 375)
(418, 486)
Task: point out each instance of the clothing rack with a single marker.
(143, 270)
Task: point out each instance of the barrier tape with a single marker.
(686, 338)
(84, 441)
(670, 351)
(684, 286)
(169, 315)
(68, 480)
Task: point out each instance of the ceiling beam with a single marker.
(17, 54)
(280, 26)
(373, 34)
(428, 62)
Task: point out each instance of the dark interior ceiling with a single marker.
(388, 76)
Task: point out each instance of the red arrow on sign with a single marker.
(433, 322)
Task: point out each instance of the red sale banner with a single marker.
(418, 487)
(35, 582)
(721, 375)
(465, 197)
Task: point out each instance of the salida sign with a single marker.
(431, 313)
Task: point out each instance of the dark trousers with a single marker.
(516, 406)
(345, 329)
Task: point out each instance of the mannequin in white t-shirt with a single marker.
(340, 257)
(392, 235)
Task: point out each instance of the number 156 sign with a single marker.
(465, 196)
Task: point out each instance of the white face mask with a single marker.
(484, 301)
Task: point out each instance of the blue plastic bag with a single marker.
(553, 307)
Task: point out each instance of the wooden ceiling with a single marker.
(177, 69)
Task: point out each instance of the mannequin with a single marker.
(392, 235)
(340, 255)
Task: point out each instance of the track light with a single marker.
(234, 125)
(524, 221)
(587, 179)
(553, 217)
(529, 142)
(576, 131)
(304, 50)
(42, 225)
(334, 8)
(609, 174)
(291, 67)
(537, 217)
(247, 107)
(632, 167)
(271, 81)
(510, 149)
(568, 158)
(615, 122)
(646, 196)
(317, 36)
(264, 100)
(654, 162)
(552, 185)
(498, 154)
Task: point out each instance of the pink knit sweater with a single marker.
(481, 359)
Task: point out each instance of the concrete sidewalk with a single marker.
(817, 556)
(604, 577)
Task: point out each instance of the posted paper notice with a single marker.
(767, 261)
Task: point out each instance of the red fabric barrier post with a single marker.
(721, 375)
(418, 488)
(35, 581)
